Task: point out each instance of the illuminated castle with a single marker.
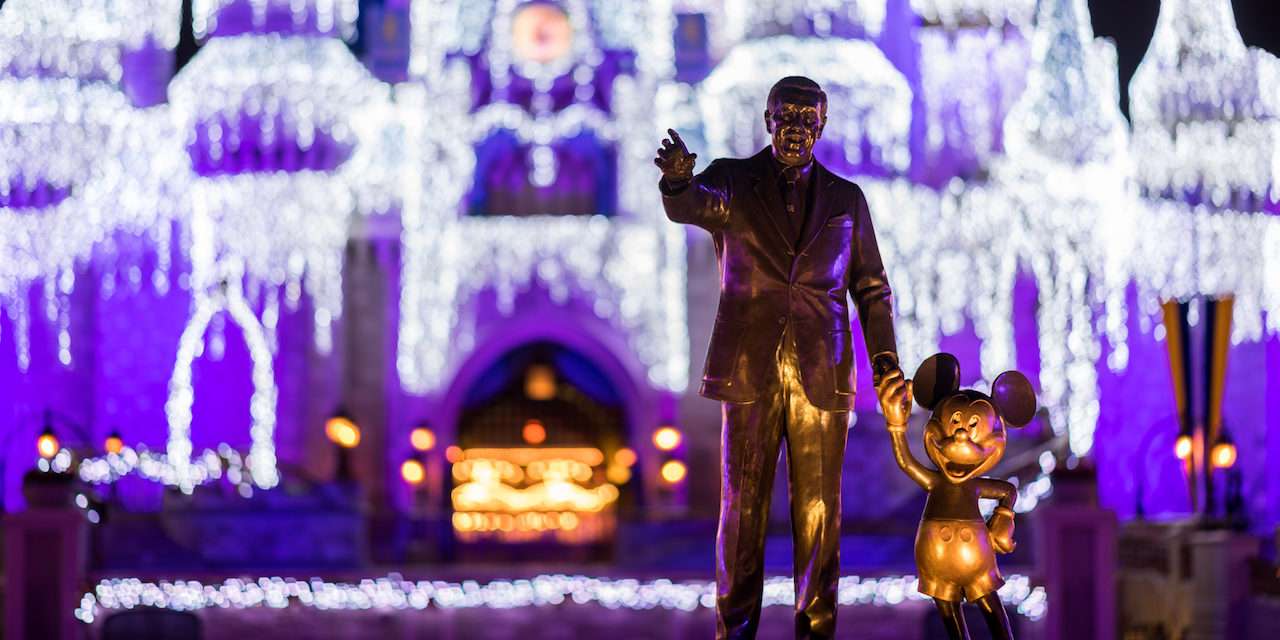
(468, 238)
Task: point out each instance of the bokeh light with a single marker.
(667, 438)
(412, 471)
(423, 439)
(674, 471)
(534, 433)
(342, 431)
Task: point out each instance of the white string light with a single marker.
(874, 98)
(1202, 119)
(395, 593)
(960, 73)
(324, 17)
(631, 268)
(954, 13)
(223, 297)
(82, 39)
(1204, 114)
(283, 228)
(750, 19)
(208, 467)
(66, 129)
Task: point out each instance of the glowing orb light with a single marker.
(1182, 448)
(342, 431)
(47, 444)
(413, 472)
(673, 471)
(422, 439)
(1223, 455)
(667, 438)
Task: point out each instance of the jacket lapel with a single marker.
(822, 205)
(767, 194)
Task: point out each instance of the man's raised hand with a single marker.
(674, 159)
(895, 400)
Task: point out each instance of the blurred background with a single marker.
(362, 318)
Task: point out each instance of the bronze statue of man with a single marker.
(794, 241)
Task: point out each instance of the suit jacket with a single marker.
(766, 284)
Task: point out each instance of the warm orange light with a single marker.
(625, 457)
(534, 432)
(673, 471)
(422, 439)
(667, 438)
(524, 456)
(453, 453)
(47, 445)
(541, 33)
(617, 474)
(342, 431)
(540, 382)
(1182, 448)
(412, 471)
(113, 444)
(1223, 455)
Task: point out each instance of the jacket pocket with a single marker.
(724, 351)
(842, 220)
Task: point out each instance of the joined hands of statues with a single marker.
(895, 399)
(674, 159)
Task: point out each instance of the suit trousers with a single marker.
(750, 440)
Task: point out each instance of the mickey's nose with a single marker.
(961, 434)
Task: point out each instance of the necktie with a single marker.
(790, 192)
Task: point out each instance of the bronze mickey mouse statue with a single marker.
(965, 437)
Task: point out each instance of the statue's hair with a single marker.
(798, 84)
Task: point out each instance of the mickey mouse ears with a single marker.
(1013, 396)
(1011, 393)
(937, 378)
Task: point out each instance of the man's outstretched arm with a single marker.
(701, 200)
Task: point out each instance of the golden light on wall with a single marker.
(422, 438)
(342, 431)
(1223, 455)
(520, 493)
(674, 471)
(619, 471)
(1182, 448)
(413, 472)
(533, 432)
(540, 382)
(518, 523)
(47, 444)
(618, 474)
(625, 457)
(667, 438)
(113, 444)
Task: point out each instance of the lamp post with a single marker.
(114, 443)
(49, 484)
(672, 469)
(47, 445)
(426, 494)
(343, 432)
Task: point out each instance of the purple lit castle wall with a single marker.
(122, 343)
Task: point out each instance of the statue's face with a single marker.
(965, 437)
(795, 119)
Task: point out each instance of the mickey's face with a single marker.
(965, 437)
